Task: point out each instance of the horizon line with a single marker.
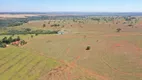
(66, 12)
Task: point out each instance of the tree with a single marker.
(36, 34)
(28, 29)
(4, 40)
(10, 40)
(118, 29)
(44, 25)
(23, 42)
(18, 38)
(32, 36)
(2, 45)
(88, 48)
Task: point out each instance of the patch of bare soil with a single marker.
(71, 71)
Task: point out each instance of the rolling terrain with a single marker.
(112, 55)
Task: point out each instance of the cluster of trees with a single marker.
(12, 22)
(5, 41)
(28, 31)
(10, 40)
(96, 19)
(55, 25)
(20, 21)
(129, 18)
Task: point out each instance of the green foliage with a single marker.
(9, 40)
(18, 38)
(23, 42)
(2, 45)
(36, 34)
(55, 25)
(28, 29)
(5, 40)
(20, 21)
(32, 36)
(96, 19)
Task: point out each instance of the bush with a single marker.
(44, 25)
(2, 45)
(88, 48)
(32, 36)
(23, 42)
(5, 40)
(55, 25)
(28, 29)
(118, 29)
(36, 34)
(18, 38)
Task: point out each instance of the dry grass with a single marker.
(113, 56)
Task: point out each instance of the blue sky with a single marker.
(71, 5)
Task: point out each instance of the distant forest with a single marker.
(11, 22)
(19, 21)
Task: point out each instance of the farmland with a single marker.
(114, 53)
(18, 64)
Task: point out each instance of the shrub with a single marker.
(118, 29)
(44, 25)
(28, 29)
(36, 34)
(18, 38)
(88, 48)
(32, 36)
(55, 25)
(10, 40)
(2, 45)
(23, 42)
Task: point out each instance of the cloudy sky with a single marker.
(71, 5)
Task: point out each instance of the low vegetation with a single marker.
(118, 29)
(90, 48)
(20, 21)
(28, 31)
(13, 41)
(55, 25)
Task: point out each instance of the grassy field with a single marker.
(115, 56)
(19, 64)
(112, 56)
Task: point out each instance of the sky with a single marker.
(70, 5)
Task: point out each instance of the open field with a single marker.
(112, 56)
(3, 16)
(19, 64)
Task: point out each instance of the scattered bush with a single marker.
(55, 25)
